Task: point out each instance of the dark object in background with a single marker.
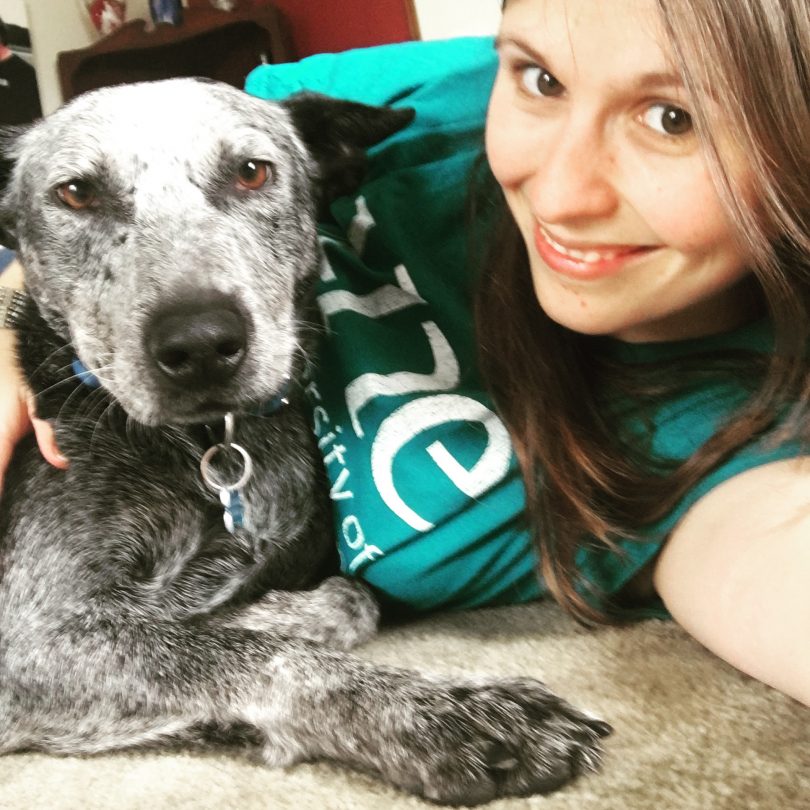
(166, 11)
(19, 95)
(16, 37)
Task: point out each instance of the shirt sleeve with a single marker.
(379, 75)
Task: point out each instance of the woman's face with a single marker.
(589, 135)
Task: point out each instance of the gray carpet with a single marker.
(690, 732)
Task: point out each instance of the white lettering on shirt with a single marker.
(420, 415)
(407, 422)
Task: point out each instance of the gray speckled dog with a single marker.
(167, 231)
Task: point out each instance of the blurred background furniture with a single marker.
(216, 44)
(227, 45)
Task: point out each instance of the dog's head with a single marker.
(168, 233)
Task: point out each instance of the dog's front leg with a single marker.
(124, 683)
(451, 741)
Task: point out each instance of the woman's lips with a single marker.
(585, 262)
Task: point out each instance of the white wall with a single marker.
(56, 25)
(61, 25)
(13, 11)
(439, 19)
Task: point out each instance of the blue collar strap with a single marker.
(275, 404)
(87, 377)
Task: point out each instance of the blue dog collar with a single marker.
(275, 404)
(87, 377)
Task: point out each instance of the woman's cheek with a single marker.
(505, 138)
(504, 170)
(682, 207)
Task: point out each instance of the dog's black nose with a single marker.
(198, 345)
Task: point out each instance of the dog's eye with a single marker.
(253, 174)
(76, 194)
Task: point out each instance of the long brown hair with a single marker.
(584, 481)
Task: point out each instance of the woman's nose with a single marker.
(573, 177)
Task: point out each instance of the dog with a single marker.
(168, 235)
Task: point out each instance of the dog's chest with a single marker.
(140, 522)
(272, 474)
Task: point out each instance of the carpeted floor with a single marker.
(690, 732)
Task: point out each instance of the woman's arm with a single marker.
(16, 404)
(735, 573)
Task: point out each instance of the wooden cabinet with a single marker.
(216, 44)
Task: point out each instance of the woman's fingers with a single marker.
(47, 444)
(46, 439)
(7, 444)
(17, 416)
(14, 420)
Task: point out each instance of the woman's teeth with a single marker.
(587, 256)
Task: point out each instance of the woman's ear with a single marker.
(337, 134)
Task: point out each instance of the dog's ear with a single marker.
(337, 134)
(7, 137)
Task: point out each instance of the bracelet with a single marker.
(12, 303)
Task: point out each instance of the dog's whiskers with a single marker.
(303, 330)
(58, 371)
(97, 373)
(76, 390)
(105, 411)
(48, 358)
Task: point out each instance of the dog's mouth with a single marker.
(210, 410)
(214, 409)
(217, 406)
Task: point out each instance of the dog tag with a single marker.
(230, 495)
(234, 515)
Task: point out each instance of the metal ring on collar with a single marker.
(228, 440)
(205, 466)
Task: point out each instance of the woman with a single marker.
(643, 323)
(659, 196)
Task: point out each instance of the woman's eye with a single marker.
(538, 81)
(76, 194)
(253, 174)
(667, 119)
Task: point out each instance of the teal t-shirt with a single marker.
(427, 496)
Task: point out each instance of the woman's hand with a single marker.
(17, 412)
(17, 407)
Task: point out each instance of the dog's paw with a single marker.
(469, 744)
(349, 612)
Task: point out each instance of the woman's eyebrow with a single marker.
(648, 80)
(502, 40)
(657, 78)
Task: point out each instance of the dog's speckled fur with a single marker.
(127, 614)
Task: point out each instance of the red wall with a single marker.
(325, 26)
